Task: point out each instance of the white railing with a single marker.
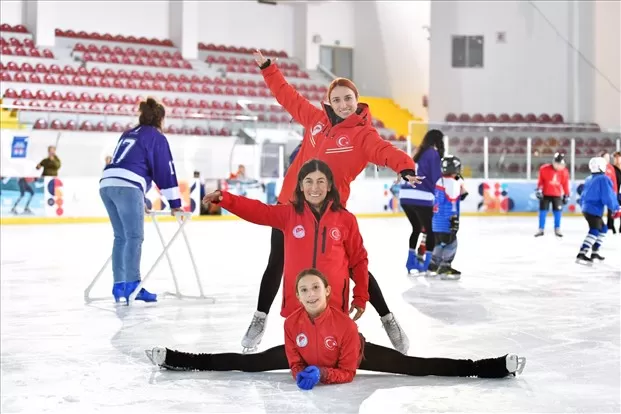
(505, 150)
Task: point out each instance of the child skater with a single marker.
(552, 189)
(322, 345)
(450, 190)
(596, 194)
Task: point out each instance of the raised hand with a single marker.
(259, 58)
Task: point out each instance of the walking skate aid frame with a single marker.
(182, 219)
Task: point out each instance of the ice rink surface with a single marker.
(517, 294)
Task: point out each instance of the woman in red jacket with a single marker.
(322, 344)
(341, 134)
(318, 232)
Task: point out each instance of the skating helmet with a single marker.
(451, 165)
(597, 165)
(559, 158)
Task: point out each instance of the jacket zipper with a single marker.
(323, 240)
(345, 294)
(315, 245)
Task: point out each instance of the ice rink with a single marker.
(517, 294)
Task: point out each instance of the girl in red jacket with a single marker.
(318, 232)
(322, 344)
(339, 133)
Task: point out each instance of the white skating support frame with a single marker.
(182, 219)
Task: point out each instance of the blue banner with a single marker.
(19, 147)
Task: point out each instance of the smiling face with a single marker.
(315, 187)
(343, 101)
(313, 294)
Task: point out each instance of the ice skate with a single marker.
(157, 355)
(397, 336)
(118, 291)
(499, 367)
(557, 233)
(515, 364)
(448, 273)
(597, 256)
(14, 211)
(255, 333)
(583, 259)
(539, 233)
(411, 263)
(27, 210)
(143, 295)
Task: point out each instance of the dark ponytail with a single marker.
(151, 113)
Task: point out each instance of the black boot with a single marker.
(491, 367)
(596, 256)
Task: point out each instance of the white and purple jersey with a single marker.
(142, 156)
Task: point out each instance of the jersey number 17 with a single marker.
(122, 149)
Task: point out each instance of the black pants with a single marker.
(595, 222)
(273, 276)
(376, 358)
(547, 201)
(420, 218)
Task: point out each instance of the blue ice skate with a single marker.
(143, 295)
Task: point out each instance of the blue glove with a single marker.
(308, 378)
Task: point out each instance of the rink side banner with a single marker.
(77, 197)
(491, 196)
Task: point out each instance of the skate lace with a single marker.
(256, 326)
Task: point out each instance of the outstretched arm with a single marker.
(382, 153)
(250, 210)
(298, 106)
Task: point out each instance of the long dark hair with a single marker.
(433, 137)
(309, 167)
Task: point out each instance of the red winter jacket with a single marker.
(346, 147)
(553, 183)
(331, 342)
(610, 173)
(333, 245)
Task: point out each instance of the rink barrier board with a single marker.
(8, 221)
(77, 199)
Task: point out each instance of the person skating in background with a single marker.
(597, 193)
(616, 164)
(417, 203)
(51, 164)
(142, 156)
(552, 190)
(450, 191)
(610, 173)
